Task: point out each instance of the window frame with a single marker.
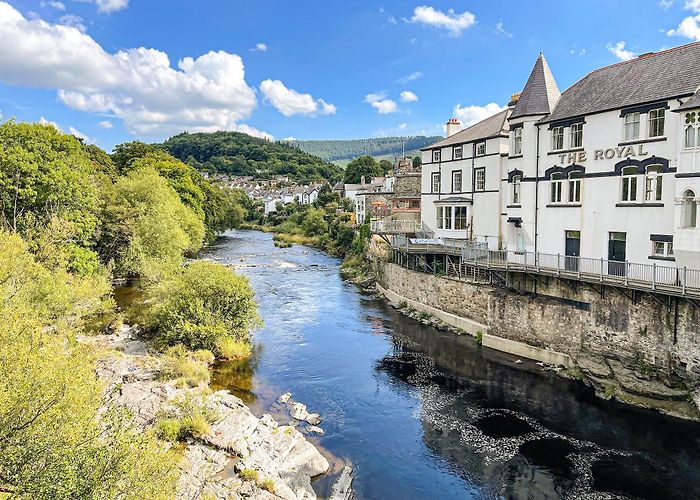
(574, 186)
(693, 134)
(627, 122)
(482, 180)
(435, 176)
(629, 184)
(461, 178)
(437, 156)
(458, 218)
(666, 249)
(576, 135)
(657, 122)
(515, 192)
(478, 146)
(557, 134)
(456, 149)
(653, 184)
(556, 189)
(439, 217)
(518, 141)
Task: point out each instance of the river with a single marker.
(423, 414)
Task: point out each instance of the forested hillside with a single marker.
(332, 150)
(236, 153)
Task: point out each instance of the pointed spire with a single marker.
(540, 93)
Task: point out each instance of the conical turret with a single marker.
(540, 93)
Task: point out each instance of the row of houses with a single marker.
(608, 169)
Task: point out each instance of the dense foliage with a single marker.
(235, 153)
(331, 150)
(367, 167)
(201, 306)
(71, 218)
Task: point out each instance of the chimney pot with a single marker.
(452, 127)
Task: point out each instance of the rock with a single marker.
(298, 411)
(284, 398)
(648, 388)
(313, 418)
(315, 430)
(594, 366)
(342, 488)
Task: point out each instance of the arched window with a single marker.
(690, 209)
(557, 182)
(653, 183)
(629, 184)
(690, 136)
(575, 186)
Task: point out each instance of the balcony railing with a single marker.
(675, 280)
(395, 226)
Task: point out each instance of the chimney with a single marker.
(514, 99)
(452, 127)
(362, 180)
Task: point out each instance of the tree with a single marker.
(417, 161)
(54, 443)
(125, 154)
(202, 305)
(364, 166)
(146, 225)
(386, 166)
(314, 223)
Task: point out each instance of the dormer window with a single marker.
(436, 156)
(518, 141)
(656, 122)
(631, 126)
(557, 138)
(481, 149)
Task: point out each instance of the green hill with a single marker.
(235, 153)
(339, 150)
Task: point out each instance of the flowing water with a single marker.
(425, 414)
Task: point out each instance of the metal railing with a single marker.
(678, 280)
(395, 226)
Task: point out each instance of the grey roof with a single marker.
(693, 102)
(540, 93)
(492, 126)
(657, 76)
(453, 199)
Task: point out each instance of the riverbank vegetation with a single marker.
(73, 218)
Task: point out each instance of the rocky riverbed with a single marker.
(283, 461)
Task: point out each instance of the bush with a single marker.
(188, 368)
(200, 305)
(249, 475)
(267, 485)
(188, 417)
(232, 350)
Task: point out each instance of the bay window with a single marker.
(439, 218)
(460, 218)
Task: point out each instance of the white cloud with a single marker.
(105, 124)
(500, 30)
(450, 21)
(689, 26)
(109, 6)
(259, 47)
(665, 4)
(402, 126)
(73, 21)
(53, 5)
(289, 139)
(138, 86)
(391, 20)
(618, 50)
(290, 102)
(379, 102)
(44, 121)
(409, 78)
(469, 115)
(408, 96)
(77, 133)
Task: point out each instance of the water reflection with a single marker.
(425, 414)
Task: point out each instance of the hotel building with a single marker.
(608, 169)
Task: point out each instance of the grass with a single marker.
(249, 475)
(187, 418)
(479, 337)
(231, 349)
(285, 240)
(190, 368)
(267, 485)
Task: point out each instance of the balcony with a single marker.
(394, 227)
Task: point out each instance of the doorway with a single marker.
(617, 253)
(572, 249)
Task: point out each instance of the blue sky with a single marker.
(115, 70)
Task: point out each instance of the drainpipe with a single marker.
(537, 182)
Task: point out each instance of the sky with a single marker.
(111, 71)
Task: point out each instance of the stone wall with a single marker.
(568, 318)
(407, 185)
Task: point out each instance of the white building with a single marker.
(609, 169)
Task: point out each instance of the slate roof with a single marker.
(540, 94)
(493, 126)
(692, 103)
(658, 76)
